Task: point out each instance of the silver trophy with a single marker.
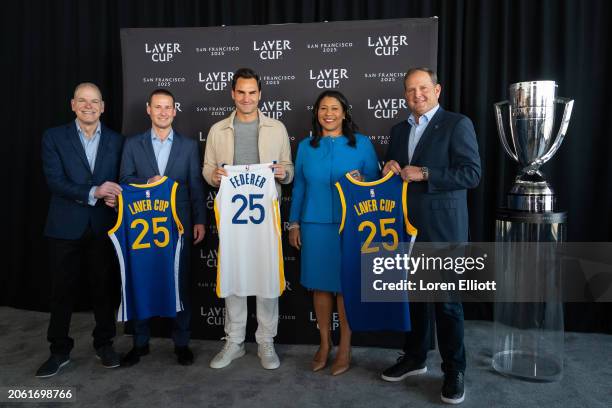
(532, 115)
(529, 336)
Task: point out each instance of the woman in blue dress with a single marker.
(333, 149)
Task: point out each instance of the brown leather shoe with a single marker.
(341, 364)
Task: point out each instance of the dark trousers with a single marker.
(449, 328)
(181, 329)
(92, 256)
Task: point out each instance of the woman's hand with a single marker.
(295, 238)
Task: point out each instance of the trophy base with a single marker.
(531, 193)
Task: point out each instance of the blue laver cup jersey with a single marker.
(374, 221)
(148, 239)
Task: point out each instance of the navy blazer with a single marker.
(138, 164)
(69, 178)
(448, 148)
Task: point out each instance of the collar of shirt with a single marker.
(427, 116)
(97, 132)
(155, 138)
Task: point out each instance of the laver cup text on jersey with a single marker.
(148, 239)
(374, 220)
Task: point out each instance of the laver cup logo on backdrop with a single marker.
(328, 78)
(387, 44)
(275, 109)
(163, 51)
(215, 81)
(271, 49)
(209, 257)
(386, 108)
(214, 315)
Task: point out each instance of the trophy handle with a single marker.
(567, 113)
(500, 129)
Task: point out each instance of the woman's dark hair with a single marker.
(348, 126)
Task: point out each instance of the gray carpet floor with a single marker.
(158, 381)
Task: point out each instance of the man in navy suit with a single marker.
(81, 165)
(437, 152)
(147, 157)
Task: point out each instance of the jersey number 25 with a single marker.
(256, 211)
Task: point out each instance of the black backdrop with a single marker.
(49, 46)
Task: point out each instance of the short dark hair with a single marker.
(431, 72)
(348, 126)
(246, 73)
(160, 91)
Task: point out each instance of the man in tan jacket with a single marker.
(248, 137)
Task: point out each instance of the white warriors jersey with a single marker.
(250, 257)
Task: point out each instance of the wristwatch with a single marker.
(425, 172)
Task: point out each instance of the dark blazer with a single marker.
(448, 148)
(69, 178)
(138, 164)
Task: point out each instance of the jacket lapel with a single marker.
(147, 146)
(402, 150)
(75, 140)
(174, 153)
(102, 145)
(429, 135)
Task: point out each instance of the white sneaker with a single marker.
(228, 353)
(267, 356)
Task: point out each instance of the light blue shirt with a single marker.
(91, 150)
(161, 148)
(416, 130)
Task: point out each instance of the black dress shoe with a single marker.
(52, 366)
(133, 356)
(405, 367)
(184, 355)
(453, 391)
(108, 356)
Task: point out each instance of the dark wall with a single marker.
(50, 46)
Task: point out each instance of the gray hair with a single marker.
(87, 85)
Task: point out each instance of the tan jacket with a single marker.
(273, 146)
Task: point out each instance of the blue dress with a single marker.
(315, 203)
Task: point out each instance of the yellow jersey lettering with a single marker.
(387, 205)
(161, 205)
(365, 206)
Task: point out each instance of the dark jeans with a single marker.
(449, 328)
(92, 256)
(181, 329)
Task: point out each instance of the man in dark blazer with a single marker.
(81, 165)
(437, 152)
(147, 157)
